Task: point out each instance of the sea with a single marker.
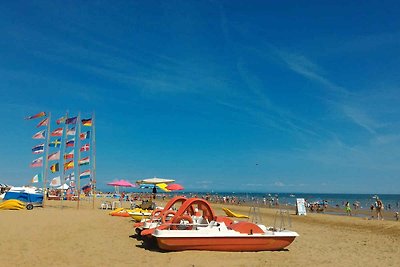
(364, 201)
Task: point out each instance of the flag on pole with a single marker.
(37, 162)
(69, 155)
(71, 131)
(55, 167)
(39, 115)
(38, 149)
(56, 181)
(87, 122)
(85, 174)
(69, 165)
(71, 120)
(55, 143)
(44, 122)
(85, 135)
(85, 147)
(39, 135)
(70, 143)
(60, 120)
(37, 178)
(84, 161)
(70, 176)
(54, 156)
(57, 132)
(86, 189)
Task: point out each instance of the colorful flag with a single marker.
(85, 147)
(39, 115)
(85, 135)
(60, 120)
(69, 165)
(70, 143)
(57, 132)
(56, 181)
(86, 189)
(37, 162)
(84, 161)
(55, 143)
(85, 174)
(70, 176)
(87, 122)
(71, 131)
(55, 167)
(44, 122)
(39, 135)
(54, 156)
(37, 178)
(71, 120)
(69, 155)
(38, 149)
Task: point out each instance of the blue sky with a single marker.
(288, 96)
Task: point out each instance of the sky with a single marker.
(241, 96)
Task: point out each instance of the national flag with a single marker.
(86, 189)
(85, 147)
(56, 181)
(85, 135)
(37, 162)
(54, 156)
(85, 174)
(69, 155)
(71, 120)
(70, 143)
(55, 143)
(38, 149)
(39, 115)
(71, 131)
(44, 122)
(84, 161)
(70, 176)
(87, 122)
(60, 120)
(39, 135)
(57, 132)
(37, 178)
(55, 167)
(69, 165)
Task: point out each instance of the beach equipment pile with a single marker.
(12, 204)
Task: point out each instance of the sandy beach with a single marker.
(61, 235)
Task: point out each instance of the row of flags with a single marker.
(68, 157)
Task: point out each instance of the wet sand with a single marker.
(65, 236)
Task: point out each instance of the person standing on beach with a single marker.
(348, 208)
(379, 208)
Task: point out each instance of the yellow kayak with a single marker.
(139, 214)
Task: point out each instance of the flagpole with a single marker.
(62, 148)
(94, 158)
(78, 175)
(46, 162)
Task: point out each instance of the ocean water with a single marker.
(333, 200)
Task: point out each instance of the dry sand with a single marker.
(65, 236)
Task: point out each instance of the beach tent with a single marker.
(26, 194)
(63, 187)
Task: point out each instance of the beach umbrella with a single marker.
(155, 180)
(161, 186)
(122, 183)
(175, 187)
